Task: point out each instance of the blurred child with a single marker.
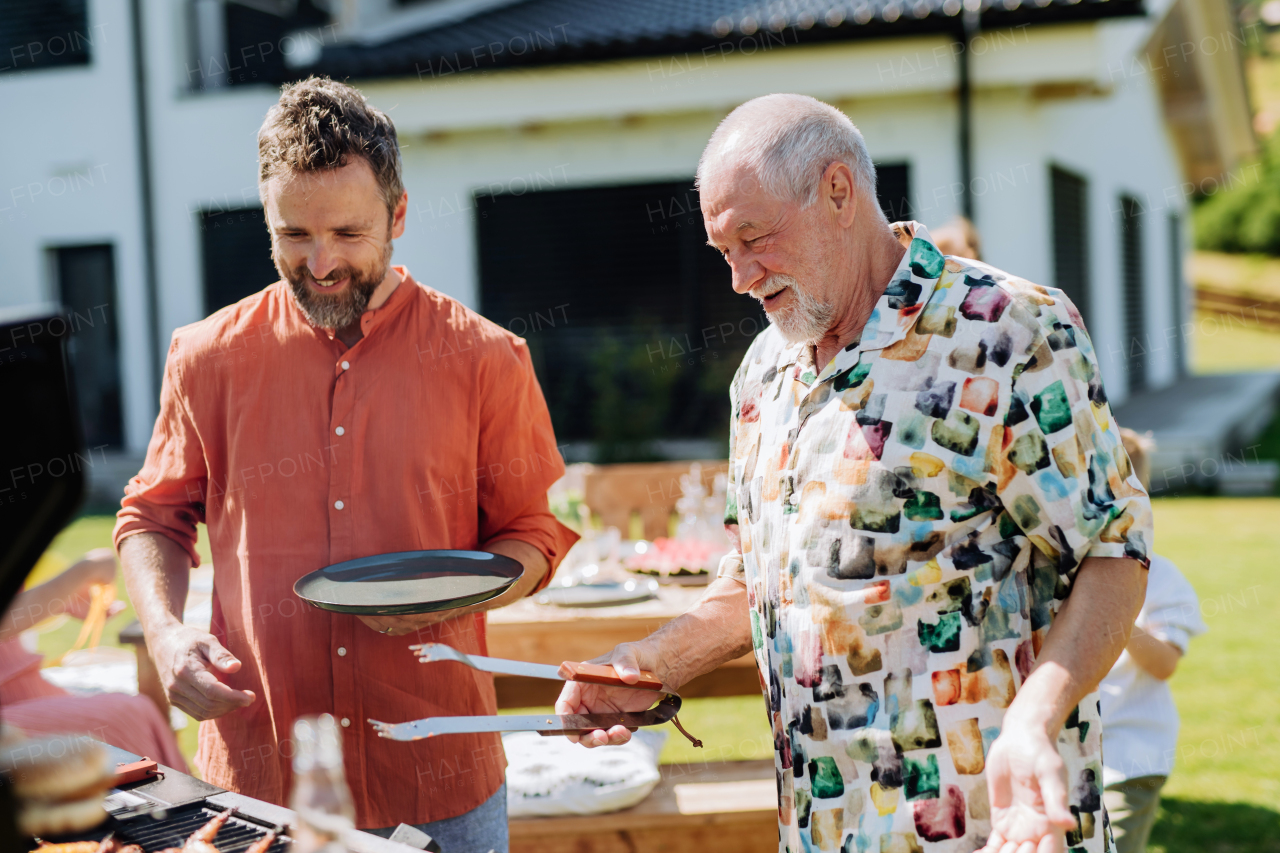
(36, 706)
(1139, 719)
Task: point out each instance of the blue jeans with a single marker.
(481, 830)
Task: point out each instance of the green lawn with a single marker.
(1224, 796)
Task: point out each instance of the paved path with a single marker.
(1203, 424)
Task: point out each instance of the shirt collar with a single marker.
(910, 288)
(371, 320)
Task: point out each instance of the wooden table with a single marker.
(695, 807)
(542, 633)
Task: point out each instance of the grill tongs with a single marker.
(543, 724)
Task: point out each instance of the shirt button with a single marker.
(342, 651)
(345, 722)
(346, 365)
(338, 504)
(339, 430)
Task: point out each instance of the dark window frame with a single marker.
(36, 36)
(1177, 285)
(94, 358)
(228, 273)
(1069, 237)
(1133, 276)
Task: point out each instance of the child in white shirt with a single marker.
(1139, 719)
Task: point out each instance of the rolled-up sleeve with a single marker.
(1070, 486)
(517, 457)
(167, 495)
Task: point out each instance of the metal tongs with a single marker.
(543, 724)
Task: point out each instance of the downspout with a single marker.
(968, 26)
(143, 130)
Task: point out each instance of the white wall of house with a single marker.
(620, 122)
(69, 176)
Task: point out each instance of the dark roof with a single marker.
(544, 32)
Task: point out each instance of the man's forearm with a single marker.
(156, 573)
(716, 631)
(535, 569)
(1087, 636)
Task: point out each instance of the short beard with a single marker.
(806, 320)
(342, 309)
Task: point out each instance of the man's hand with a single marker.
(1027, 785)
(189, 662)
(1026, 778)
(716, 630)
(627, 660)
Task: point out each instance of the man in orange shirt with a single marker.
(344, 411)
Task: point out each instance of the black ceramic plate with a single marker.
(409, 582)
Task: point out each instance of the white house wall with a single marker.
(632, 121)
(69, 173)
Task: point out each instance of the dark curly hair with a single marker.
(320, 124)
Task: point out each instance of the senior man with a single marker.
(940, 541)
(346, 410)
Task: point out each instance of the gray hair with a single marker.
(787, 142)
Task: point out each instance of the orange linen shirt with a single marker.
(430, 432)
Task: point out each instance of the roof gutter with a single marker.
(143, 130)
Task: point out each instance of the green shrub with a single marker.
(1244, 216)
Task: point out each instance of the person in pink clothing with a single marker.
(37, 707)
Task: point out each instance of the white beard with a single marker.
(806, 320)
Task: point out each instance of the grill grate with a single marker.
(174, 829)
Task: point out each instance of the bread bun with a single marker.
(55, 768)
(45, 818)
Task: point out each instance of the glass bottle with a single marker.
(320, 795)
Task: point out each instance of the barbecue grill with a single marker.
(165, 828)
(162, 812)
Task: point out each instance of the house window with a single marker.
(893, 187)
(236, 43)
(237, 256)
(86, 287)
(46, 34)
(633, 326)
(1132, 276)
(1177, 294)
(631, 320)
(1068, 197)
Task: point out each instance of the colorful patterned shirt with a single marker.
(911, 517)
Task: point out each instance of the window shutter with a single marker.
(1132, 276)
(1070, 222)
(1177, 294)
(87, 291)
